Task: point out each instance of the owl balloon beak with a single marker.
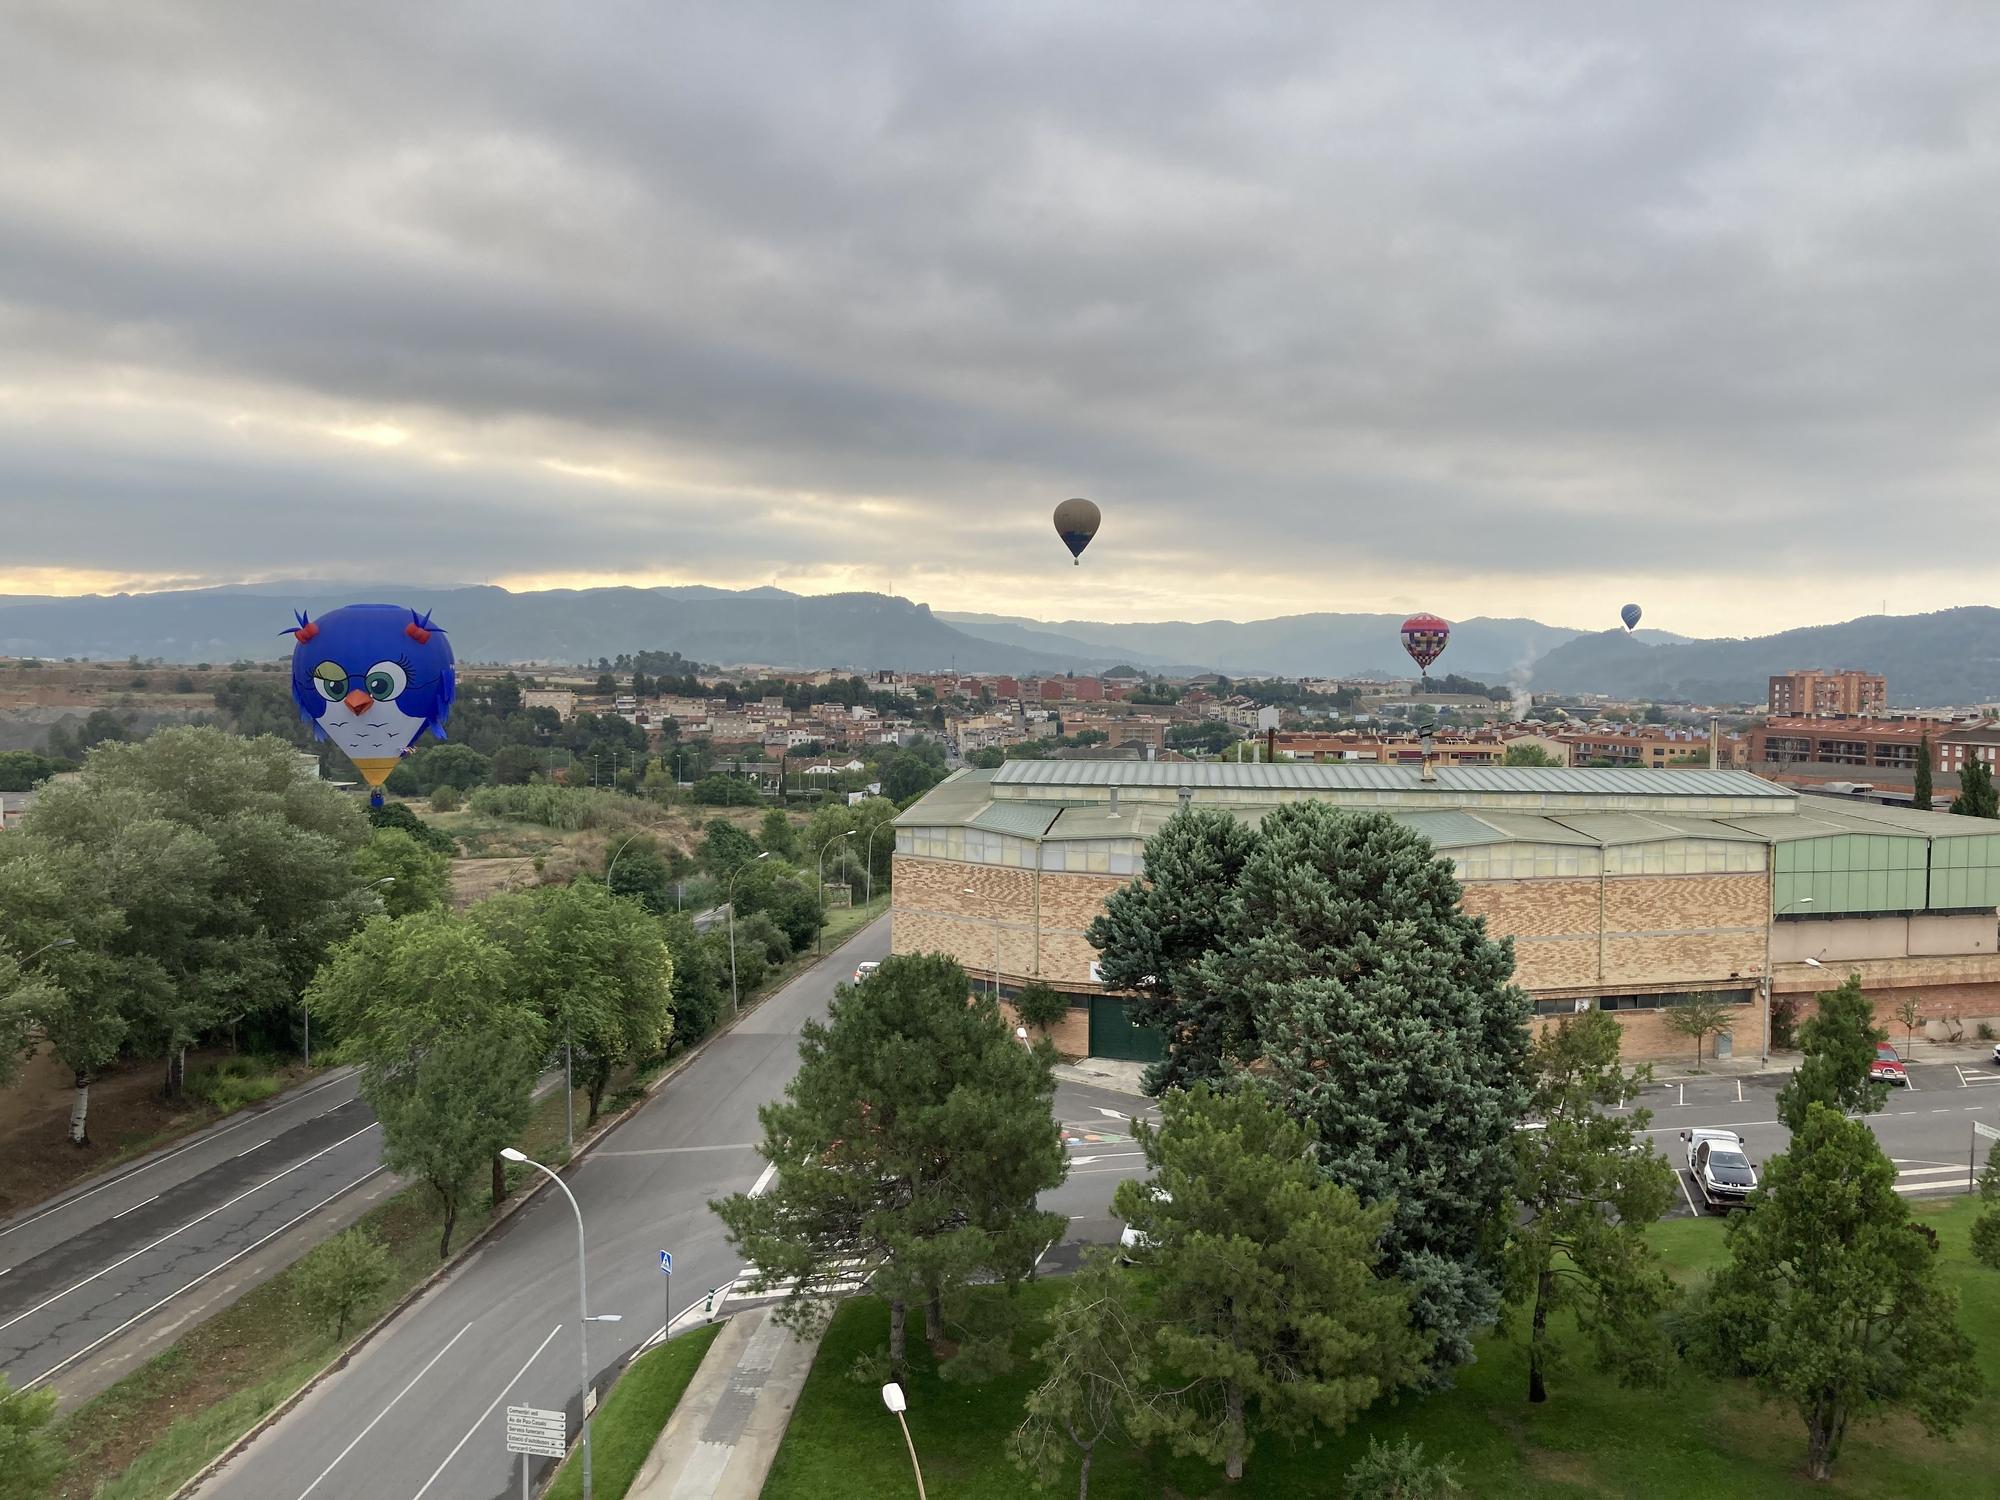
(358, 702)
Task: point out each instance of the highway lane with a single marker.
(97, 1263)
(420, 1412)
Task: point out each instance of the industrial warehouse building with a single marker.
(1621, 889)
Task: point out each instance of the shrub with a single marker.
(1984, 1031)
(1785, 1023)
(570, 809)
(231, 1084)
(1400, 1472)
(396, 815)
(759, 931)
(341, 1276)
(446, 798)
(1040, 1006)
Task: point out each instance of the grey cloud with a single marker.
(1546, 289)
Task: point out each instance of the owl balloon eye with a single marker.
(386, 680)
(331, 680)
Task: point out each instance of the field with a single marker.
(1695, 1438)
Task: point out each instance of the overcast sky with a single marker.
(1522, 309)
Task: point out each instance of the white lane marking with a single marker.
(183, 1229)
(1112, 1114)
(1910, 1083)
(1957, 1184)
(1930, 1171)
(125, 1177)
(1045, 1250)
(124, 1211)
(225, 1265)
(1739, 1091)
(384, 1412)
(1961, 1074)
(485, 1414)
(1682, 1101)
(1681, 1178)
(758, 1188)
(680, 1150)
(1080, 1161)
(1092, 1171)
(258, 1147)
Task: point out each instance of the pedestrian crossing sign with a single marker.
(666, 1263)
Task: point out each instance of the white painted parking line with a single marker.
(1739, 1091)
(124, 1211)
(1929, 1171)
(384, 1412)
(1910, 1082)
(757, 1188)
(1956, 1184)
(1681, 1178)
(487, 1413)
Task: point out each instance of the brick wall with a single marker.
(1647, 1038)
(931, 912)
(1657, 929)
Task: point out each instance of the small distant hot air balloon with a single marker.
(1076, 524)
(1425, 637)
(1630, 615)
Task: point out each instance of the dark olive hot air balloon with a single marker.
(1630, 615)
(1076, 524)
(1425, 637)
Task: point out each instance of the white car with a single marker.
(1134, 1243)
(1720, 1167)
(863, 970)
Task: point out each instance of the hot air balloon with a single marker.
(1630, 615)
(371, 678)
(1076, 524)
(1425, 637)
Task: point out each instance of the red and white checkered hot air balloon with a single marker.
(1425, 637)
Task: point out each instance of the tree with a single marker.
(214, 878)
(25, 994)
(337, 1279)
(724, 846)
(1040, 1006)
(450, 764)
(639, 873)
(606, 685)
(1265, 1278)
(1920, 797)
(907, 774)
(1976, 797)
(1153, 934)
(1389, 1023)
(513, 765)
(31, 1459)
(1910, 1011)
(700, 980)
(987, 758)
(448, 1054)
(725, 791)
(1697, 1018)
(1401, 1472)
(1589, 1186)
(446, 798)
(397, 815)
(777, 835)
(912, 1141)
(1526, 754)
(23, 770)
(786, 895)
(1839, 1047)
(1831, 1298)
(1986, 1228)
(1097, 1387)
(596, 969)
(419, 878)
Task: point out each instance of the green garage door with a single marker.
(1113, 1034)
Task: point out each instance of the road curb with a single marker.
(465, 1252)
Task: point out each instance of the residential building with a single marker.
(1822, 694)
(1890, 744)
(1650, 745)
(562, 700)
(1621, 890)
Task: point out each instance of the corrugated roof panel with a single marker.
(1447, 828)
(1365, 776)
(1533, 828)
(1028, 820)
(1874, 817)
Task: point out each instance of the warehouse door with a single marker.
(1114, 1034)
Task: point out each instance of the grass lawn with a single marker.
(633, 1416)
(1695, 1437)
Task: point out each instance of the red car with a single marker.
(1888, 1067)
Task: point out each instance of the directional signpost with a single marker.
(530, 1429)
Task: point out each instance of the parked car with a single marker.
(863, 970)
(1996, 1054)
(1720, 1167)
(1134, 1243)
(1888, 1067)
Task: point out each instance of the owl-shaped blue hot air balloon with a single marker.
(371, 678)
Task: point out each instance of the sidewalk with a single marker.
(1104, 1073)
(725, 1432)
(1942, 1054)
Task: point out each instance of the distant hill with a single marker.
(762, 626)
(1315, 645)
(1949, 657)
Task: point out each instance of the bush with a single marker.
(1400, 1472)
(396, 815)
(725, 791)
(1984, 1031)
(1785, 1023)
(570, 809)
(340, 1277)
(231, 1084)
(759, 931)
(446, 798)
(1040, 1006)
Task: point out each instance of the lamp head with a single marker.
(510, 1154)
(892, 1397)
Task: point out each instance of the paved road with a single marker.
(420, 1412)
(177, 1228)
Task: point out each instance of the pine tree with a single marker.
(911, 1144)
(1839, 1047)
(1921, 799)
(1588, 1186)
(1154, 932)
(1390, 1026)
(1976, 797)
(1831, 1299)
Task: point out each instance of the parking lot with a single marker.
(1925, 1127)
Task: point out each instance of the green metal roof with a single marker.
(1306, 776)
(1028, 820)
(1448, 828)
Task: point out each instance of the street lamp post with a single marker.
(819, 938)
(733, 1002)
(608, 869)
(868, 866)
(584, 1319)
(892, 1397)
(1764, 1054)
(48, 948)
